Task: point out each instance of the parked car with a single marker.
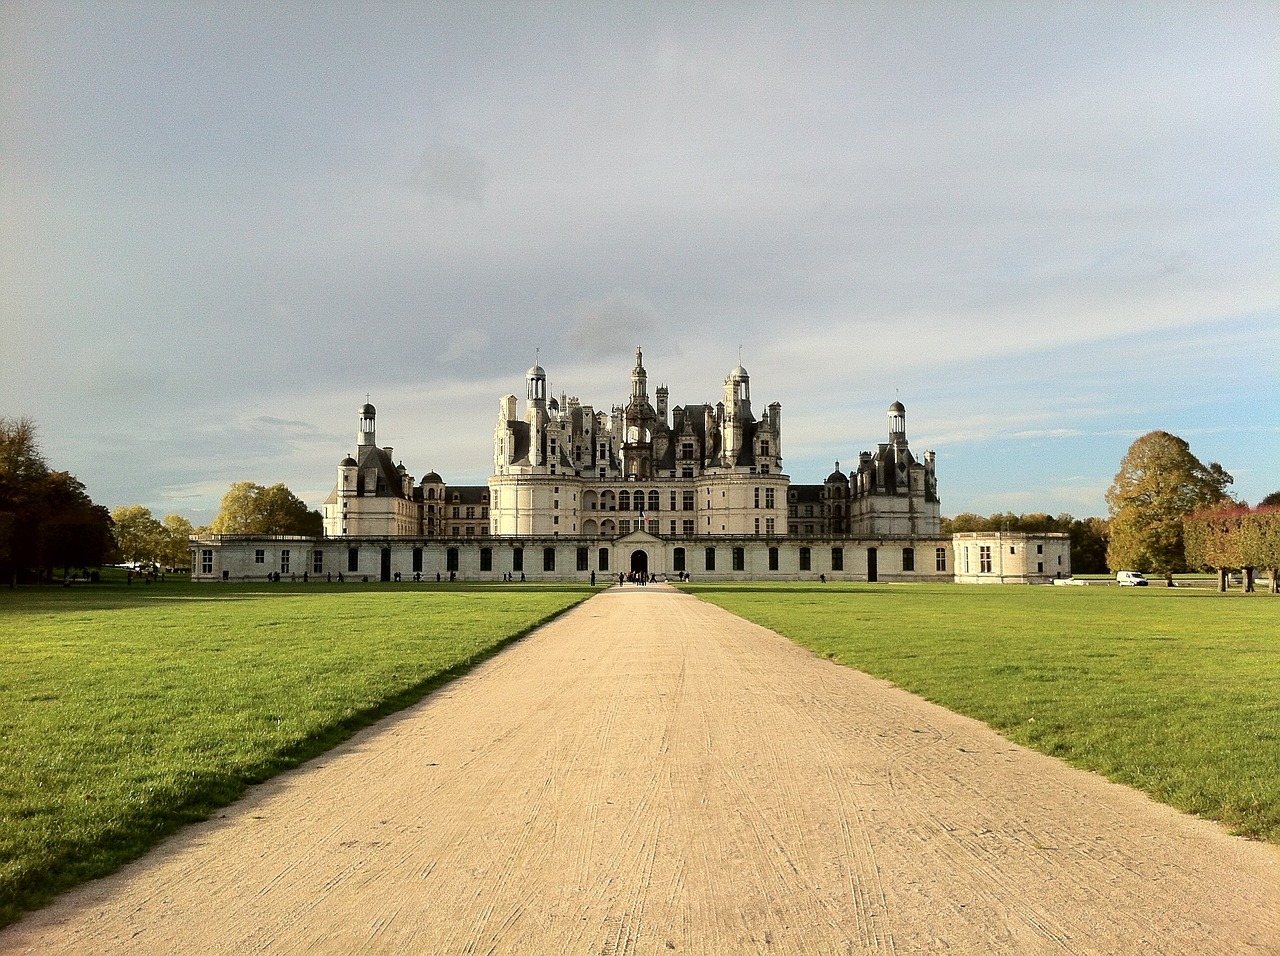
(1069, 581)
(1130, 579)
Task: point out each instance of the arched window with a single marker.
(654, 500)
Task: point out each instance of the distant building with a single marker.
(648, 488)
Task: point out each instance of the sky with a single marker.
(1045, 228)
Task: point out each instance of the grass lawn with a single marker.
(1174, 692)
(126, 712)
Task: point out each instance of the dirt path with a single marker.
(650, 774)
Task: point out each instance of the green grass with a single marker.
(1174, 692)
(126, 712)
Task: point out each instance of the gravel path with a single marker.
(650, 774)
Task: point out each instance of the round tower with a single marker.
(897, 423)
(366, 434)
(536, 387)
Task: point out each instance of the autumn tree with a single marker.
(1160, 482)
(177, 544)
(139, 536)
(249, 508)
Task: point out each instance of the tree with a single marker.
(1270, 501)
(248, 508)
(47, 518)
(1160, 482)
(139, 536)
(177, 547)
(1236, 538)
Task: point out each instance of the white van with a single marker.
(1130, 579)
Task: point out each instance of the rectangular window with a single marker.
(486, 559)
(1012, 549)
(768, 527)
(655, 501)
(1040, 567)
(837, 559)
(206, 561)
(451, 559)
(548, 559)
(1039, 549)
(517, 559)
(624, 526)
(710, 559)
(677, 559)
(773, 559)
(604, 559)
(908, 559)
(739, 559)
(940, 559)
(471, 511)
(966, 560)
(686, 527)
(417, 560)
(673, 501)
(769, 498)
(757, 497)
(583, 560)
(984, 559)
(284, 560)
(457, 512)
(317, 562)
(353, 559)
(673, 527)
(686, 501)
(806, 561)
(260, 556)
(808, 511)
(757, 526)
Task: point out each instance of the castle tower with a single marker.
(366, 433)
(897, 424)
(639, 381)
(536, 387)
(737, 403)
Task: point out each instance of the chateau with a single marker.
(645, 487)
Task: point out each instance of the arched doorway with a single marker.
(640, 562)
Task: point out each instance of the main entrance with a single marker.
(640, 562)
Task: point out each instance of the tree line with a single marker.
(1237, 538)
(48, 521)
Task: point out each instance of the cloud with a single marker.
(452, 172)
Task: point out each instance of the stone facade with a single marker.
(697, 489)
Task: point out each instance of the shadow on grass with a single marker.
(139, 832)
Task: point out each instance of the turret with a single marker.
(639, 381)
(366, 433)
(737, 401)
(897, 423)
